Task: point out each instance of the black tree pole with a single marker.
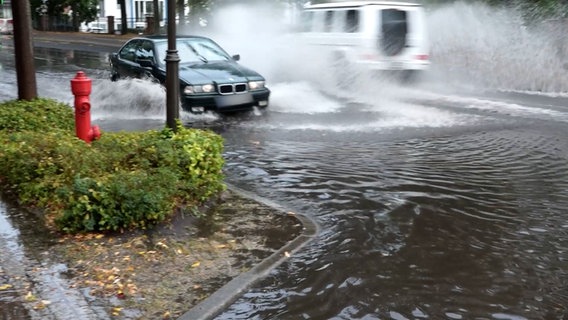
(24, 51)
(172, 70)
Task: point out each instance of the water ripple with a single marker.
(433, 224)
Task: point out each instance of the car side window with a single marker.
(128, 51)
(145, 51)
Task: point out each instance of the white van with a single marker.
(374, 35)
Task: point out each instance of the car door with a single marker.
(127, 66)
(145, 59)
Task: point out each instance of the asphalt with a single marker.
(230, 292)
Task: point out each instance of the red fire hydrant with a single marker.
(81, 88)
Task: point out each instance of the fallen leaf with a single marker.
(116, 311)
(162, 245)
(5, 287)
(195, 264)
(39, 306)
(30, 297)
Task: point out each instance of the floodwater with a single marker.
(442, 200)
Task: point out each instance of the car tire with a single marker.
(114, 76)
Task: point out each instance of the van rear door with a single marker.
(393, 31)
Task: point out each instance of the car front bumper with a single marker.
(225, 103)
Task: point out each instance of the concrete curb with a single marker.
(230, 292)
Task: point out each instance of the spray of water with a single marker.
(300, 76)
(474, 44)
(129, 98)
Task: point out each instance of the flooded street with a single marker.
(441, 200)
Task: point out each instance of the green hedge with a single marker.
(124, 180)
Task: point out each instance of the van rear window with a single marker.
(307, 20)
(394, 30)
(328, 24)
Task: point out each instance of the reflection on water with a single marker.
(26, 268)
(68, 60)
(11, 262)
(57, 60)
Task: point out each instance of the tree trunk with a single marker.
(75, 17)
(23, 49)
(123, 20)
(157, 16)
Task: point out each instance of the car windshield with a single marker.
(194, 50)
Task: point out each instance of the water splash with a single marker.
(131, 98)
(474, 44)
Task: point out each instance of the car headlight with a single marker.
(256, 85)
(206, 88)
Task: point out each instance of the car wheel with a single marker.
(114, 75)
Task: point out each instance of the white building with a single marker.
(137, 11)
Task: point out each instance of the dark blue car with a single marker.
(210, 79)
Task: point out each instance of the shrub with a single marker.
(41, 115)
(124, 200)
(124, 180)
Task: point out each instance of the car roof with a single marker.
(160, 37)
(359, 4)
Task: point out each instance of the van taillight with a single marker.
(421, 57)
(369, 56)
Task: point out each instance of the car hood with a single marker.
(219, 72)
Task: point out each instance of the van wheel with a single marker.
(411, 76)
(342, 71)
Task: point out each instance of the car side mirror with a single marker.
(146, 63)
(236, 57)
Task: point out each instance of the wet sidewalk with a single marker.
(32, 285)
(95, 42)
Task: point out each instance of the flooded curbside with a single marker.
(218, 301)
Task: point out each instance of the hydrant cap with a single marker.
(81, 85)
